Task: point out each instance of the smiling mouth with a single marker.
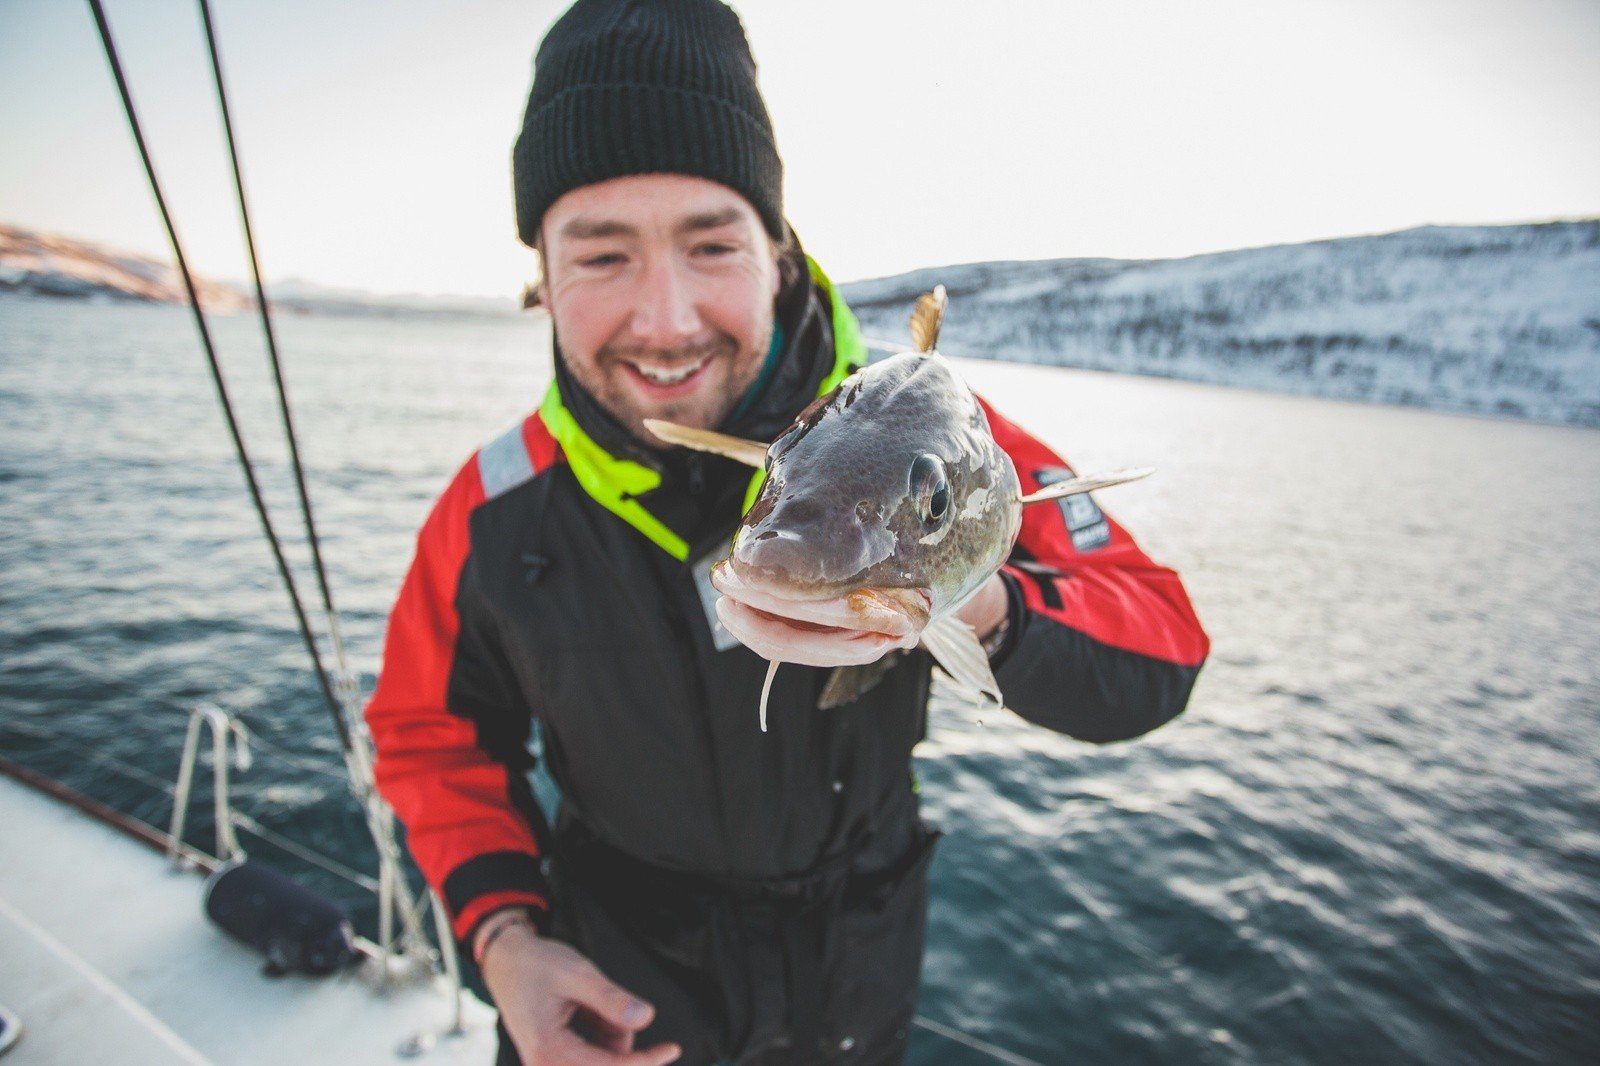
(667, 376)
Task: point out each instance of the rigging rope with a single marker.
(305, 854)
(272, 353)
(216, 373)
(240, 819)
(994, 1051)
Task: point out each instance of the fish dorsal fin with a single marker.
(749, 452)
(926, 318)
(1087, 483)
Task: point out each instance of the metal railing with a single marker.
(224, 729)
(408, 953)
(234, 747)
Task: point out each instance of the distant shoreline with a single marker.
(56, 267)
(1495, 320)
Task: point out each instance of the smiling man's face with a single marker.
(661, 288)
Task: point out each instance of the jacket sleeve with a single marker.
(450, 730)
(1104, 644)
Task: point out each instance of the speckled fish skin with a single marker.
(840, 509)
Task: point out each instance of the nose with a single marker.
(665, 315)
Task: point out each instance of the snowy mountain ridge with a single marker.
(1501, 320)
(48, 264)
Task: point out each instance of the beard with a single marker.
(729, 373)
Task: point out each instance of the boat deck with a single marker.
(106, 956)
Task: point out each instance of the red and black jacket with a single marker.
(528, 600)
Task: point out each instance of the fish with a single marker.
(886, 505)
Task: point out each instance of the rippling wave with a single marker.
(1374, 836)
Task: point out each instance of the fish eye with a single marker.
(930, 487)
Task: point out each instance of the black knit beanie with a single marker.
(642, 87)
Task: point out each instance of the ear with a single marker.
(536, 294)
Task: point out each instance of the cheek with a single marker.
(742, 310)
(585, 325)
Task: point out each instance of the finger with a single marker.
(605, 1034)
(610, 1003)
(570, 1050)
(659, 1055)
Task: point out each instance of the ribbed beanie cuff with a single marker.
(626, 87)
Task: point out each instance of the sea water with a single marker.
(1373, 837)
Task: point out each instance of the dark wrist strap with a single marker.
(999, 644)
(517, 916)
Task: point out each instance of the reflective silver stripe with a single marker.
(504, 463)
(721, 639)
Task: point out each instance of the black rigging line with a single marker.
(216, 372)
(266, 319)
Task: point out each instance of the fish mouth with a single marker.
(860, 626)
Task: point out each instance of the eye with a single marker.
(601, 261)
(930, 488)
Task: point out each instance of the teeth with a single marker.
(663, 376)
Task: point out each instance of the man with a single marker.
(712, 891)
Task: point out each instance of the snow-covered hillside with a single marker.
(1502, 320)
(47, 264)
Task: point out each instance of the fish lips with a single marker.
(858, 627)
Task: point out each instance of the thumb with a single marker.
(611, 1002)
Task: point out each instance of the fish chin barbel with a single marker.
(886, 506)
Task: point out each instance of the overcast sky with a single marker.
(376, 134)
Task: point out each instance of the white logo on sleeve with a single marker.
(1085, 521)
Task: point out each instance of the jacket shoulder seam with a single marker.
(510, 460)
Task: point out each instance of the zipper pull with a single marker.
(697, 475)
(534, 566)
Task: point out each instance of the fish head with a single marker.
(886, 503)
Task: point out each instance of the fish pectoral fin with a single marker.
(926, 318)
(849, 683)
(954, 646)
(749, 452)
(1088, 483)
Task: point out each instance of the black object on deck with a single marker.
(296, 929)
